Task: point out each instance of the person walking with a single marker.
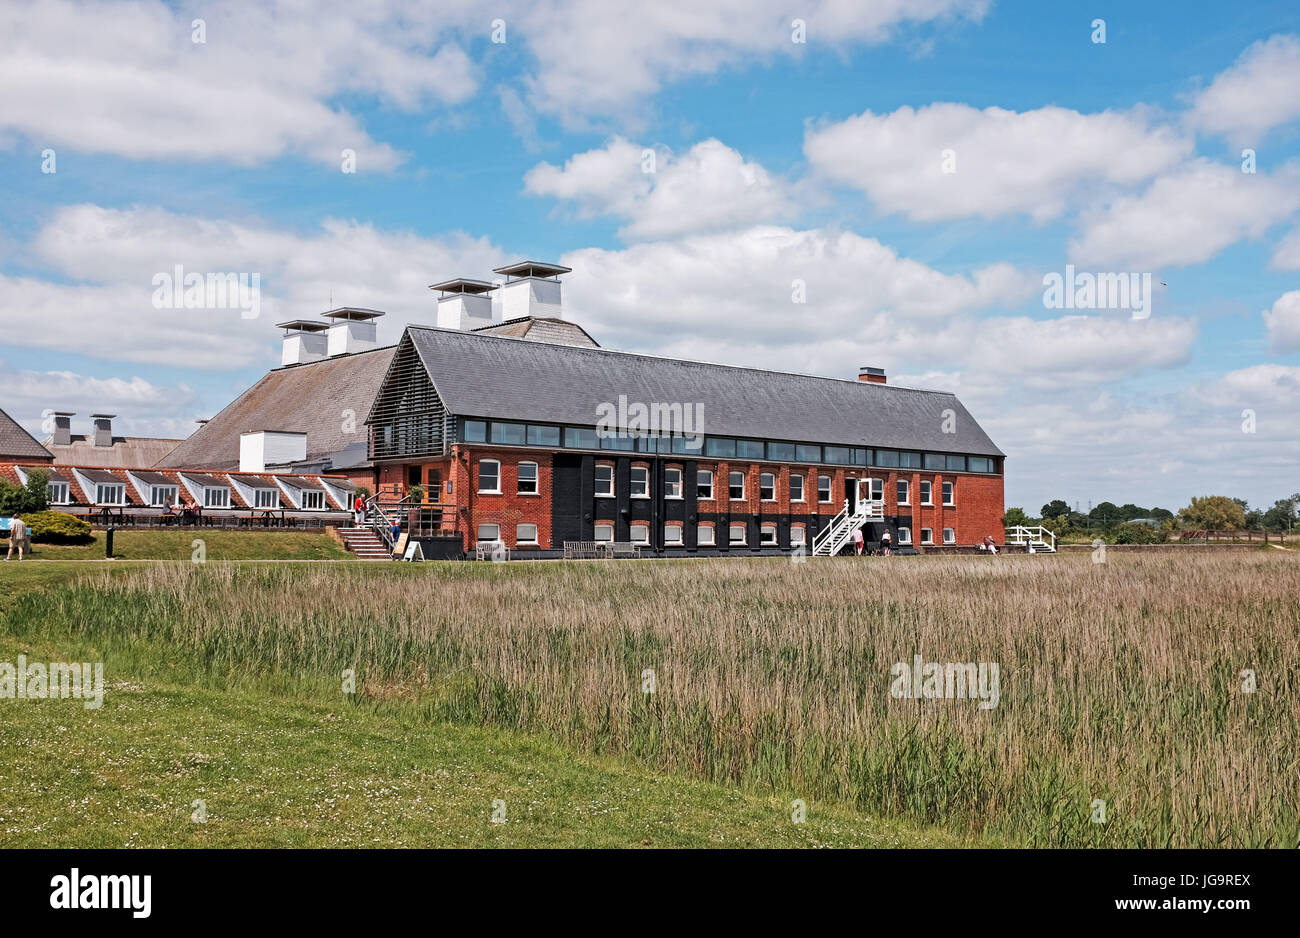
(858, 543)
(886, 542)
(359, 509)
(17, 538)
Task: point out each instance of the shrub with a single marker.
(1139, 534)
(55, 527)
(19, 499)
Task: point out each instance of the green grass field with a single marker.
(179, 545)
(281, 766)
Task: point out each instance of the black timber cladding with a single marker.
(408, 417)
(496, 377)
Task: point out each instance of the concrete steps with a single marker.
(365, 544)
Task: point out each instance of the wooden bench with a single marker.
(490, 550)
(624, 549)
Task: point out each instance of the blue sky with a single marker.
(774, 161)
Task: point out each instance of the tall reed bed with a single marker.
(1119, 682)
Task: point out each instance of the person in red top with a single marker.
(359, 509)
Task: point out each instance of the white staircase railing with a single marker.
(829, 541)
(1035, 539)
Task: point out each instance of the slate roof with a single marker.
(17, 443)
(309, 399)
(479, 375)
(542, 329)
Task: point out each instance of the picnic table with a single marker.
(104, 514)
(269, 517)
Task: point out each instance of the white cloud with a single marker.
(1259, 92)
(1033, 163)
(709, 187)
(143, 408)
(1187, 216)
(1283, 322)
(1286, 255)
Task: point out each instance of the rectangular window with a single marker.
(604, 481)
(797, 536)
(57, 492)
(766, 487)
(839, 455)
(877, 490)
(716, 446)
(580, 438)
(618, 441)
(218, 498)
(640, 482)
(767, 535)
(904, 535)
(934, 461)
(947, 493)
(313, 501)
(705, 535)
(808, 453)
(781, 451)
(543, 436)
(949, 536)
(737, 535)
(528, 478)
(604, 532)
(672, 483)
(525, 534)
(109, 494)
(512, 434)
(749, 449)
(266, 498)
(979, 464)
(824, 489)
(888, 458)
(489, 476)
(902, 492)
(640, 534)
(704, 484)
(955, 463)
(160, 496)
(909, 460)
(927, 536)
(736, 486)
(475, 431)
(796, 487)
(489, 533)
(673, 535)
(926, 487)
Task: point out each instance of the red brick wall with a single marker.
(510, 508)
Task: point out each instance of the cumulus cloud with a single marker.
(143, 408)
(1286, 255)
(1260, 91)
(709, 187)
(1187, 216)
(1283, 322)
(1033, 163)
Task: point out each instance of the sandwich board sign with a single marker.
(414, 552)
(400, 546)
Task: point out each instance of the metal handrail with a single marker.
(1024, 536)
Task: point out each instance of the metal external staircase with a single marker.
(1036, 539)
(832, 539)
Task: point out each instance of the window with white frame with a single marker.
(738, 534)
(313, 500)
(57, 493)
(797, 536)
(796, 487)
(603, 532)
(877, 490)
(489, 533)
(736, 486)
(704, 484)
(266, 498)
(640, 534)
(160, 496)
(767, 535)
(704, 535)
(525, 534)
(766, 487)
(219, 498)
(527, 478)
(824, 489)
(927, 536)
(489, 476)
(672, 483)
(925, 493)
(949, 536)
(947, 493)
(110, 494)
(904, 535)
(902, 492)
(673, 535)
(605, 481)
(640, 482)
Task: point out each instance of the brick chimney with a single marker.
(874, 375)
(63, 427)
(103, 429)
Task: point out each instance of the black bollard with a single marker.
(108, 545)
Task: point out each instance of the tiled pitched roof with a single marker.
(314, 399)
(16, 443)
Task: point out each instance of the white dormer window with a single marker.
(110, 494)
(216, 498)
(160, 496)
(57, 492)
(266, 498)
(313, 500)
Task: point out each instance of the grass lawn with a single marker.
(292, 767)
(218, 544)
